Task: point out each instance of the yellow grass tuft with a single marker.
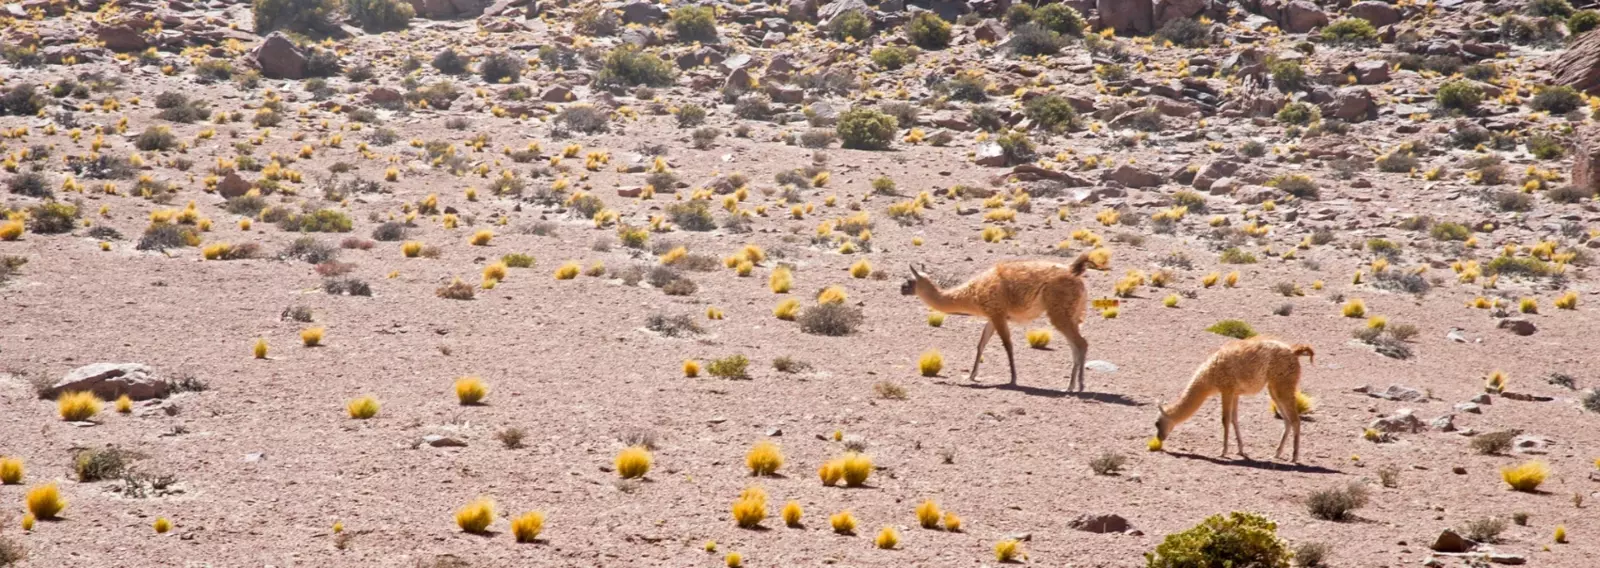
(1153, 445)
(568, 271)
(952, 522)
(495, 271)
(674, 255)
(1110, 312)
(123, 404)
(856, 467)
(928, 514)
(791, 514)
(362, 408)
(11, 230)
(1355, 308)
(78, 406)
(888, 538)
(782, 280)
(733, 560)
(1528, 306)
(832, 295)
(11, 471)
(1007, 550)
(1525, 477)
(260, 348)
(764, 458)
(1210, 280)
(936, 319)
(1038, 338)
(471, 390)
(713, 313)
(1304, 403)
(1231, 280)
(411, 249)
(831, 472)
(1496, 382)
(633, 462)
(861, 269)
(691, 368)
(1377, 322)
(481, 238)
(312, 336)
(1561, 534)
(476, 516)
(45, 501)
(527, 527)
(843, 522)
(162, 525)
(1170, 301)
(930, 363)
(1100, 258)
(788, 309)
(751, 508)
(1567, 301)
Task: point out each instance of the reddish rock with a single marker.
(1127, 16)
(279, 58)
(1579, 65)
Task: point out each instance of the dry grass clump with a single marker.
(45, 502)
(162, 525)
(568, 271)
(527, 527)
(787, 310)
(1493, 443)
(888, 538)
(930, 363)
(691, 368)
(791, 514)
(1525, 477)
(1338, 503)
(476, 516)
(750, 508)
(471, 390)
(730, 367)
(481, 238)
(362, 408)
(1007, 550)
(11, 471)
(312, 336)
(78, 406)
(843, 523)
(928, 514)
(764, 458)
(1303, 403)
(123, 404)
(456, 290)
(1355, 308)
(781, 280)
(1039, 338)
(633, 462)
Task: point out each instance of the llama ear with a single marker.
(914, 273)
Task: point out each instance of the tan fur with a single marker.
(1243, 368)
(1016, 292)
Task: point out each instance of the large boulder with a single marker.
(1301, 16)
(449, 9)
(1107, 523)
(278, 58)
(1216, 170)
(112, 380)
(1168, 10)
(1127, 16)
(647, 13)
(121, 37)
(1352, 104)
(1586, 161)
(1129, 175)
(837, 8)
(1379, 14)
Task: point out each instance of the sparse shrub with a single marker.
(1186, 32)
(52, 217)
(1007, 550)
(889, 391)
(694, 23)
(97, 464)
(1236, 329)
(1350, 31)
(843, 522)
(866, 129)
(377, 16)
(627, 66)
(1459, 95)
(673, 326)
(11, 471)
(1298, 185)
(892, 58)
(501, 67)
(585, 118)
(449, 62)
(511, 438)
(1582, 21)
(1288, 75)
(1545, 147)
(1449, 231)
(1239, 539)
(1032, 39)
(1486, 530)
(1337, 503)
(691, 115)
(855, 467)
(1550, 8)
(1525, 477)
(22, 100)
(156, 138)
(11, 552)
(1051, 112)
(1017, 148)
(1061, 19)
(1298, 114)
(928, 31)
(1109, 463)
(295, 15)
(456, 290)
(850, 25)
(319, 221)
(830, 319)
(633, 462)
(1311, 554)
(1557, 100)
(730, 367)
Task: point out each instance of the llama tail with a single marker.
(1303, 349)
(1083, 261)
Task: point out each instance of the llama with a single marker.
(1017, 292)
(1243, 368)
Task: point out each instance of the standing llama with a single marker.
(1018, 292)
(1243, 368)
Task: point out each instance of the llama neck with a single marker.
(1194, 396)
(950, 302)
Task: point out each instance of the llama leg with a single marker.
(1227, 411)
(988, 331)
(1080, 346)
(1004, 331)
(1289, 410)
(1238, 435)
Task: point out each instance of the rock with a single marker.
(1446, 423)
(1518, 326)
(1100, 524)
(279, 58)
(991, 154)
(1457, 335)
(1129, 175)
(1379, 14)
(838, 7)
(1399, 393)
(233, 186)
(121, 38)
(1101, 366)
(1458, 470)
(556, 94)
(1168, 10)
(112, 380)
(1255, 194)
(384, 96)
(1469, 408)
(949, 120)
(786, 94)
(1352, 104)
(1482, 398)
(1525, 397)
(1507, 558)
(642, 12)
(1225, 186)
(1404, 420)
(1531, 444)
(989, 30)
(1451, 542)
(1578, 66)
(438, 441)
(1371, 72)
(1127, 16)
(1214, 171)
(1586, 160)
(803, 10)
(1302, 16)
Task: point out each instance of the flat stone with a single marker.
(438, 441)
(1399, 393)
(1449, 541)
(1100, 523)
(112, 380)
(1101, 366)
(1518, 326)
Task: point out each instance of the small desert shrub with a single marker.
(1186, 32)
(1582, 21)
(1487, 529)
(892, 58)
(1298, 185)
(850, 25)
(11, 552)
(511, 438)
(1398, 162)
(787, 364)
(1051, 112)
(1238, 539)
(1460, 95)
(830, 319)
(1525, 477)
(930, 363)
(1109, 463)
(78, 406)
(1311, 554)
(584, 118)
(476, 516)
(888, 390)
(691, 115)
(1288, 75)
(52, 217)
(694, 23)
(449, 62)
(1550, 8)
(1235, 255)
(376, 16)
(527, 527)
(101, 463)
(1557, 100)
(1233, 328)
(866, 129)
(45, 501)
(295, 15)
(1350, 31)
(1545, 146)
(1061, 19)
(30, 184)
(626, 66)
(673, 326)
(501, 68)
(470, 390)
(1017, 148)
(456, 290)
(1337, 504)
(633, 462)
(764, 458)
(156, 138)
(928, 31)
(319, 221)
(362, 408)
(1031, 39)
(730, 367)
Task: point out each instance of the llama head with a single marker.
(917, 279)
(1163, 424)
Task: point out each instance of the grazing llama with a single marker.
(1241, 368)
(1015, 292)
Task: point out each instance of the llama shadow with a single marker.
(1106, 397)
(1252, 463)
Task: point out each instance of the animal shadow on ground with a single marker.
(1105, 397)
(1271, 465)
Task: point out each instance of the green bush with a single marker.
(1547, 8)
(1350, 31)
(1019, 14)
(691, 115)
(1449, 231)
(501, 68)
(1559, 99)
(1459, 94)
(1186, 32)
(1032, 39)
(1288, 75)
(1298, 113)
(1017, 148)
(626, 66)
(53, 217)
(293, 15)
(1583, 21)
(1051, 112)
(694, 23)
(1235, 255)
(891, 58)
(1061, 19)
(377, 16)
(851, 25)
(865, 129)
(320, 221)
(1546, 147)
(928, 31)
(1239, 539)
